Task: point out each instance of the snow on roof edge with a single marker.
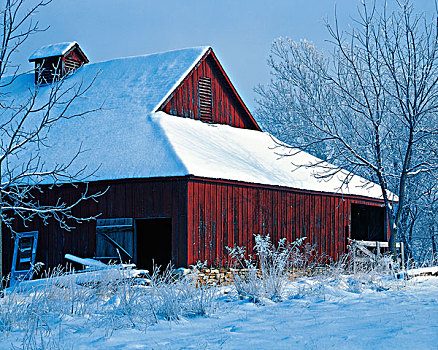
(395, 199)
(391, 195)
(39, 53)
(176, 132)
(183, 76)
(394, 196)
(205, 49)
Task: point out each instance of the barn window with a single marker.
(205, 99)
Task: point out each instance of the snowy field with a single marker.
(345, 312)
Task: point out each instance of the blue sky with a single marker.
(240, 32)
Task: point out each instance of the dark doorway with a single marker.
(367, 223)
(154, 242)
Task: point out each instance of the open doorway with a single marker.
(367, 222)
(154, 242)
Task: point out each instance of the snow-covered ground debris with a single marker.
(433, 270)
(320, 312)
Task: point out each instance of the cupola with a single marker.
(52, 62)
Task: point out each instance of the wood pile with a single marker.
(216, 276)
(224, 276)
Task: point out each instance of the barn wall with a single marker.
(207, 216)
(226, 108)
(222, 214)
(124, 199)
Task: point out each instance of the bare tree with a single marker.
(25, 124)
(370, 106)
(423, 227)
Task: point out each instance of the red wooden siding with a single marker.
(225, 213)
(207, 216)
(227, 107)
(146, 198)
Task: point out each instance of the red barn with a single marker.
(188, 170)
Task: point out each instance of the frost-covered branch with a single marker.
(370, 106)
(25, 123)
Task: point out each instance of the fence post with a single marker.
(402, 252)
(353, 245)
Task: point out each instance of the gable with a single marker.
(207, 94)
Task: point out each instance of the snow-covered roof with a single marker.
(224, 152)
(52, 50)
(128, 138)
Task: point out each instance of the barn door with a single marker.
(23, 260)
(154, 242)
(115, 240)
(367, 222)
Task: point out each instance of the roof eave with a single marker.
(42, 58)
(65, 53)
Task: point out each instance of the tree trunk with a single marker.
(393, 237)
(434, 244)
(1, 249)
(1, 235)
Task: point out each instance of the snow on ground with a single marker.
(316, 315)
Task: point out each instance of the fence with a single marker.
(371, 251)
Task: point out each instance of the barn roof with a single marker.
(52, 50)
(129, 139)
(223, 152)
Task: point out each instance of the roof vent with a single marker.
(54, 61)
(205, 99)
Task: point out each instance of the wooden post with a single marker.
(402, 252)
(353, 245)
(377, 250)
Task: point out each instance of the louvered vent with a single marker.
(71, 64)
(205, 99)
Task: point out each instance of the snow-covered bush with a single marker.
(246, 281)
(356, 275)
(266, 274)
(10, 309)
(122, 301)
(174, 296)
(110, 299)
(39, 308)
(202, 296)
(167, 294)
(306, 257)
